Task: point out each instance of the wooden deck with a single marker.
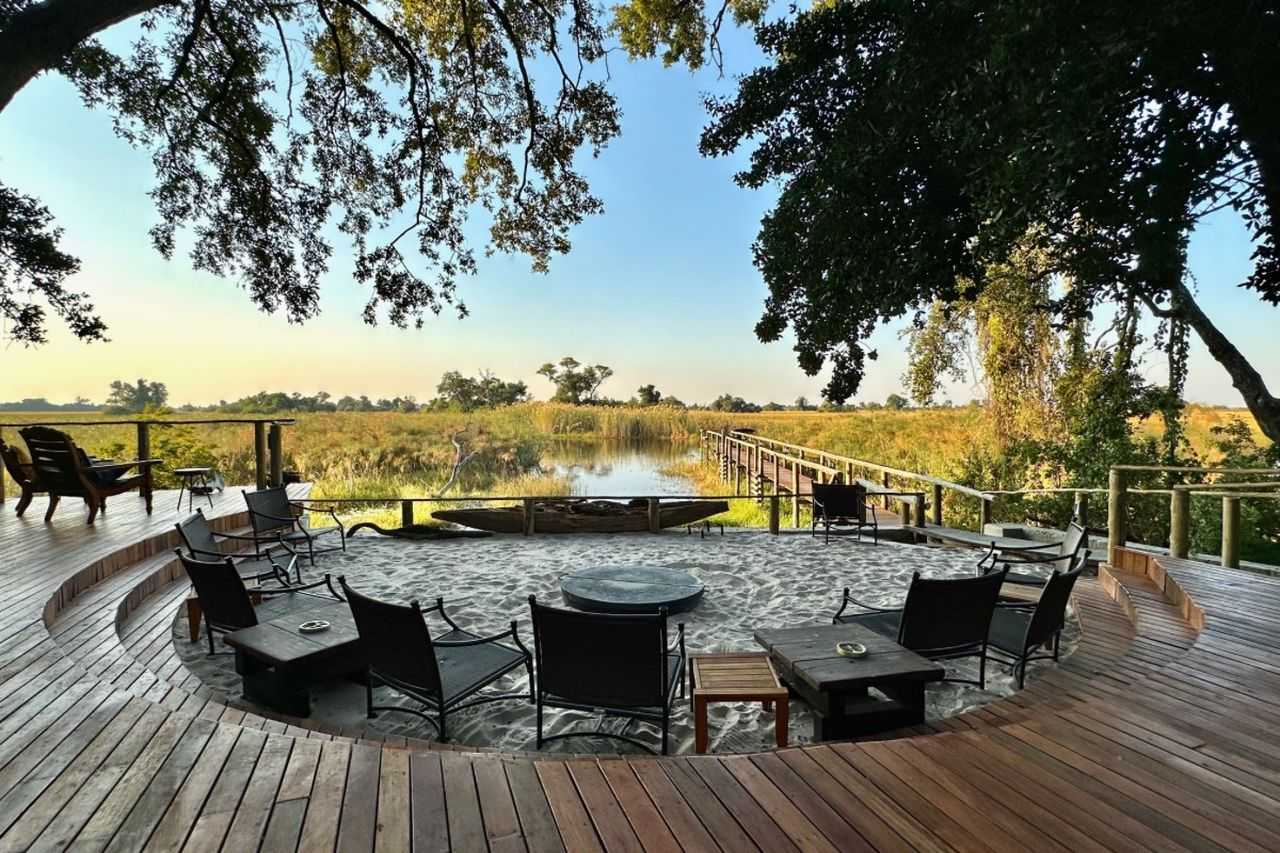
(1153, 735)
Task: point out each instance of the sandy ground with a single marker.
(752, 580)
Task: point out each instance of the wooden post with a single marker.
(1081, 509)
(526, 526)
(795, 493)
(937, 504)
(775, 512)
(887, 500)
(406, 513)
(777, 477)
(1117, 500)
(984, 515)
(1180, 523)
(260, 453)
(1231, 532)
(737, 470)
(144, 452)
(906, 511)
(655, 518)
(277, 455)
(919, 510)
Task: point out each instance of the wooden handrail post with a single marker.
(144, 452)
(526, 526)
(795, 494)
(1117, 502)
(1179, 523)
(920, 510)
(984, 515)
(655, 518)
(937, 504)
(260, 453)
(1231, 532)
(737, 470)
(1081, 509)
(887, 500)
(274, 444)
(905, 506)
(775, 512)
(406, 513)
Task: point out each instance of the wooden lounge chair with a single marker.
(224, 599)
(277, 520)
(942, 619)
(64, 470)
(445, 673)
(1019, 632)
(1046, 556)
(836, 505)
(620, 665)
(202, 542)
(23, 473)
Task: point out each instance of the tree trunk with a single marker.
(1247, 380)
(41, 37)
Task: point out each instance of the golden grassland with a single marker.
(394, 455)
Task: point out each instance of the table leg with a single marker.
(910, 695)
(194, 614)
(182, 485)
(780, 723)
(700, 737)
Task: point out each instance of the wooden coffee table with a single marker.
(837, 687)
(735, 677)
(278, 663)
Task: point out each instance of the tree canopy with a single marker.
(917, 145)
(267, 122)
(129, 397)
(574, 382)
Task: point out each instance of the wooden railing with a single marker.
(823, 465)
(268, 439)
(1231, 494)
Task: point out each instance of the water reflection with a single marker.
(619, 468)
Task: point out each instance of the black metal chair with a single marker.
(202, 543)
(839, 505)
(1020, 631)
(225, 604)
(942, 619)
(445, 673)
(621, 665)
(1047, 556)
(276, 519)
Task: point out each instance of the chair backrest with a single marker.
(395, 640)
(1051, 610)
(266, 507)
(58, 462)
(1073, 540)
(601, 659)
(845, 501)
(223, 598)
(952, 614)
(198, 536)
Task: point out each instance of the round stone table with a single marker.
(631, 589)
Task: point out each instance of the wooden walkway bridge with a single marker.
(1157, 733)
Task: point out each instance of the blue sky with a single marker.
(660, 286)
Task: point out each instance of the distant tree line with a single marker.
(574, 383)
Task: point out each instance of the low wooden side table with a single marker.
(735, 677)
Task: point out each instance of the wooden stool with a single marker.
(735, 677)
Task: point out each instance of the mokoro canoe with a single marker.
(582, 516)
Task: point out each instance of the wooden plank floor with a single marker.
(1153, 735)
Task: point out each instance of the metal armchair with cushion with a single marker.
(225, 603)
(64, 470)
(445, 673)
(621, 665)
(1046, 557)
(1020, 631)
(277, 520)
(837, 505)
(942, 619)
(205, 543)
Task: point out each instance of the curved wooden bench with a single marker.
(1121, 747)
